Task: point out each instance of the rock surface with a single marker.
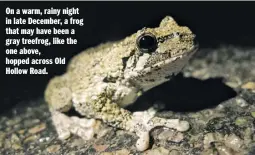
(215, 93)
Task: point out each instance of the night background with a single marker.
(214, 23)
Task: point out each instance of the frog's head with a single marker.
(159, 53)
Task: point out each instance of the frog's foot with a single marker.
(82, 127)
(144, 122)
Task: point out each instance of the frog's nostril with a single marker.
(177, 34)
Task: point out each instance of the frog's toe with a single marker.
(61, 123)
(182, 125)
(143, 141)
(63, 134)
(84, 133)
(84, 128)
(170, 123)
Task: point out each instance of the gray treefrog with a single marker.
(101, 81)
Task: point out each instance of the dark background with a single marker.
(214, 23)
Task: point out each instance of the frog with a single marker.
(101, 81)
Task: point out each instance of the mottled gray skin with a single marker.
(102, 80)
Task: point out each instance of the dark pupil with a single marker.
(147, 43)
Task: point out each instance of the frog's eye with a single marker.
(146, 42)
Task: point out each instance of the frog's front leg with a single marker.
(144, 122)
(104, 105)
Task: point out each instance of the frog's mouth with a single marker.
(160, 59)
(152, 65)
